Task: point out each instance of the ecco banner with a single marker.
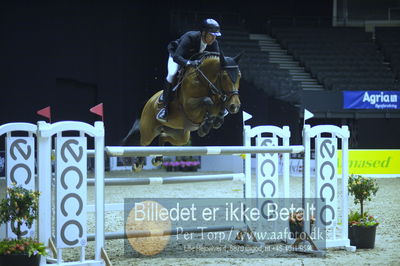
(371, 100)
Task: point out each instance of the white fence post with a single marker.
(20, 166)
(99, 182)
(44, 183)
(326, 185)
(45, 133)
(345, 177)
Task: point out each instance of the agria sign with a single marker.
(381, 100)
(371, 100)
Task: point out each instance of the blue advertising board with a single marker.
(371, 99)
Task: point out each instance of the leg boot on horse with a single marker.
(219, 119)
(162, 116)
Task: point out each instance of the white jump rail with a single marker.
(130, 151)
(171, 232)
(122, 181)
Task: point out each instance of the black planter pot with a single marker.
(189, 169)
(362, 236)
(19, 260)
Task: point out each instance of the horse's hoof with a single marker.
(137, 168)
(156, 161)
(217, 125)
(201, 133)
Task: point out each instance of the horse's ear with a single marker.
(237, 58)
(222, 60)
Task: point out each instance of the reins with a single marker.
(224, 95)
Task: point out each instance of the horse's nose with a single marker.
(234, 108)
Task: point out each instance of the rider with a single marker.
(181, 50)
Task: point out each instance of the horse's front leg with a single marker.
(202, 108)
(206, 125)
(219, 119)
(208, 119)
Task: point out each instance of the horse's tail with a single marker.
(133, 136)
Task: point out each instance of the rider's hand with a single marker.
(193, 63)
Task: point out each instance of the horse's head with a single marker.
(230, 77)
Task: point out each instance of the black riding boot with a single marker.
(163, 113)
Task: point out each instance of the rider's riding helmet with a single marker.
(211, 26)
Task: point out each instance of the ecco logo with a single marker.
(327, 173)
(71, 155)
(20, 162)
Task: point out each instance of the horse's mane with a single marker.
(206, 56)
(207, 59)
(210, 59)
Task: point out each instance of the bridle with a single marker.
(224, 95)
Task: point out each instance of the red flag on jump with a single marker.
(98, 110)
(46, 112)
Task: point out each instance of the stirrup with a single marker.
(162, 115)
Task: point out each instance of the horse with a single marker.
(204, 94)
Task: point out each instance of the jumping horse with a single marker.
(203, 94)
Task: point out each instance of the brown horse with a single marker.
(202, 97)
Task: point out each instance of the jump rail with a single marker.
(172, 232)
(130, 151)
(168, 180)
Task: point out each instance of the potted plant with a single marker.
(190, 165)
(167, 165)
(20, 207)
(171, 166)
(362, 226)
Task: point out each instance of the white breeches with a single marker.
(172, 69)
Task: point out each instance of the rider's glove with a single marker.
(193, 63)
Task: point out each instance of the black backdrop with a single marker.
(72, 55)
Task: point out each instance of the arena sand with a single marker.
(386, 206)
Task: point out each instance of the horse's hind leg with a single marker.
(148, 132)
(138, 164)
(157, 161)
(175, 137)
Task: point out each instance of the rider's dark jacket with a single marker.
(187, 45)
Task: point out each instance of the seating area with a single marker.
(340, 58)
(388, 40)
(257, 69)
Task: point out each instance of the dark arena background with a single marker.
(72, 55)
